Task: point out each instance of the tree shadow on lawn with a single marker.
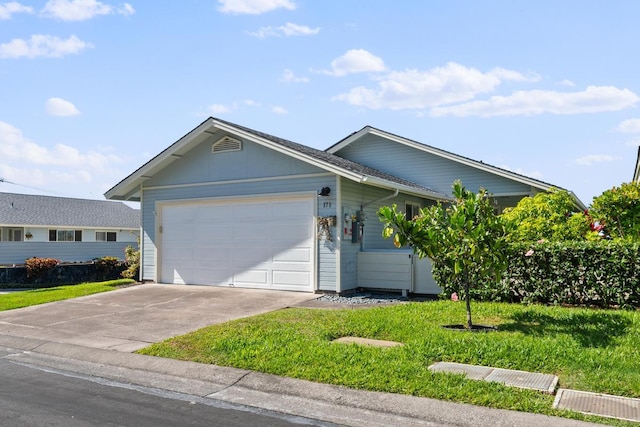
(597, 328)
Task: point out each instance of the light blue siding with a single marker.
(253, 171)
(253, 161)
(353, 197)
(18, 252)
(424, 168)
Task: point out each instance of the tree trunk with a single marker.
(467, 298)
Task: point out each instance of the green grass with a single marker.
(41, 296)
(591, 350)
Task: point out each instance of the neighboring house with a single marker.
(227, 205)
(66, 229)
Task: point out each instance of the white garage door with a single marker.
(257, 243)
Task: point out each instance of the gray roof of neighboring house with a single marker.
(26, 209)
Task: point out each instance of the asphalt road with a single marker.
(30, 396)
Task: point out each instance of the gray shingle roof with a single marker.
(333, 159)
(25, 209)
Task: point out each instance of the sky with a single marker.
(91, 90)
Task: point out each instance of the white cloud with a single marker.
(253, 7)
(567, 83)
(60, 107)
(414, 89)
(594, 158)
(219, 109)
(11, 8)
(286, 30)
(594, 99)
(40, 45)
(126, 10)
(15, 148)
(356, 61)
(289, 77)
(279, 110)
(629, 126)
(82, 10)
(248, 102)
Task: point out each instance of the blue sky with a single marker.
(90, 90)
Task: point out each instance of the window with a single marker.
(105, 236)
(15, 235)
(65, 235)
(11, 234)
(411, 210)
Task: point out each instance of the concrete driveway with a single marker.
(132, 318)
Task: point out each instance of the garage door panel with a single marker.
(291, 278)
(292, 209)
(295, 255)
(252, 211)
(240, 242)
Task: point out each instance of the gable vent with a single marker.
(226, 143)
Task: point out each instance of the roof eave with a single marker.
(128, 187)
(378, 182)
(636, 174)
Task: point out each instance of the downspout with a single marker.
(391, 196)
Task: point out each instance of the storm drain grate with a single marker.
(604, 405)
(530, 380)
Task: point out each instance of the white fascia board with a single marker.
(636, 173)
(337, 147)
(377, 182)
(130, 184)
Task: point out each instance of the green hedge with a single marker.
(603, 274)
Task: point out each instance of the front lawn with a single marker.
(591, 350)
(40, 296)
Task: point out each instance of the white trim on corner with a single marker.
(339, 227)
(239, 181)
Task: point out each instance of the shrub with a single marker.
(132, 257)
(39, 267)
(592, 273)
(107, 266)
(465, 238)
(550, 215)
(618, 209)
(600, 273)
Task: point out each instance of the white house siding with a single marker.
(424, 168)
(252, 171)
(18, 252)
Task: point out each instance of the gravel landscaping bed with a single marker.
(364, 298)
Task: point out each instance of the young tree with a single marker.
(550, 216)
(466, 237)
(618, 209)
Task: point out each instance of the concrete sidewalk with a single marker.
(324, 402)
(96, 335)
